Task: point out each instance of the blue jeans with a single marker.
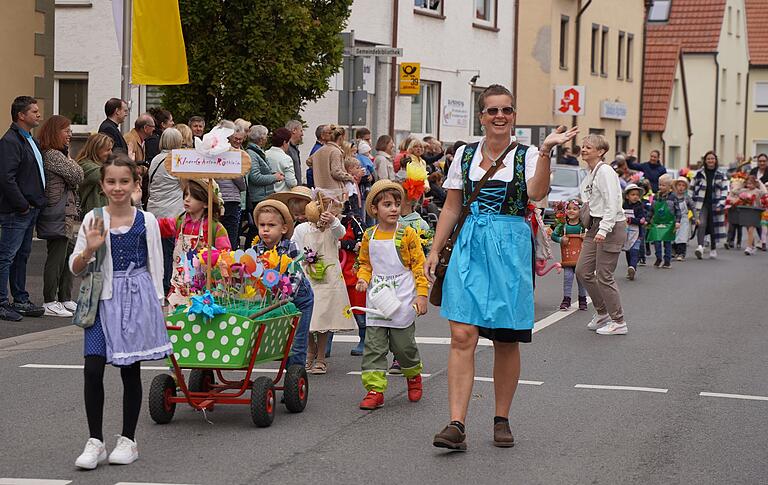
(633, 255)
(231, 222)
(667, 250)
(304, 301)
(15, 248)
(568, 277)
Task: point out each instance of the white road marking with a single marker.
(521, 381)
(419, 340)
(555, 317)
(157, 368)
(358, 373)
(146, 483)
(734, 396)
(32, 481)
(621, 388)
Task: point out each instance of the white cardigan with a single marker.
(154, 249)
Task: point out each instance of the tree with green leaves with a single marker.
(261, 60)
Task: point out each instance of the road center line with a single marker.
(521, 381)
(32, 481)
(734, 396)
(621, 388)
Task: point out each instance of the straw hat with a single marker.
(377, 188)
(281, 208)
(634, 187)
(682, 180)
(298, 192)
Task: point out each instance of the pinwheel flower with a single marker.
(270, 278)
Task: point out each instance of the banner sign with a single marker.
(191, 161)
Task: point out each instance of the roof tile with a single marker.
(757, 31)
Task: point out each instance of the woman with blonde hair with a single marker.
(187, 138)
(402, 150)
(91, 157)
(603, 218)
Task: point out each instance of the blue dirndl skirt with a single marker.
(489, 281)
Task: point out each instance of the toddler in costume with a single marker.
(191, 232)
(129, 326)
(569, 227)
(391, 259)
(275, 224)
(665, 221)
(634, 210)
(320, 240)
(685, 203)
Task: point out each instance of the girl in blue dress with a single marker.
(488, 287)
(129, 325)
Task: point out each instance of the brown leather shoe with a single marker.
(451, 438)
(502, 435)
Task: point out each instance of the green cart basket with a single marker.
(230, 342)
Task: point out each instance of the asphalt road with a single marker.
(698, 328)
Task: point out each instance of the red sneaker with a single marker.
(414, 388)
(372, 400)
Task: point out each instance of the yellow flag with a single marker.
(157, 48)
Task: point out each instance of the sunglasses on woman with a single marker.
(506, 110)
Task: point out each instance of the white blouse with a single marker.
(506, 173)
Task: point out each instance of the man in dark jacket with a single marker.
(297, 136)
(22, 195)
(652, 169)
(116, 110)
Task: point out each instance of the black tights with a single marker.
(94, 396)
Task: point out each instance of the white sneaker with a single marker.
(94, 453)
(699, 251)
(70, 305)
(125, 452)
(56, 309)
(613, 328)
(598, 321)
(713, 254)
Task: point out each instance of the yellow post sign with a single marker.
(410, 78)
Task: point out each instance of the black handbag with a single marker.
(436, 293)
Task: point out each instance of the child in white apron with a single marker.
(391, 260)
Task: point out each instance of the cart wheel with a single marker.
(296, 388)
(162, 389)
(263, 402)
(201, 380)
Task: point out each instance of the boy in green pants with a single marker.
(391, 258)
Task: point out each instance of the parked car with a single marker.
(564, 185)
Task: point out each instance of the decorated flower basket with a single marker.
(227, 341)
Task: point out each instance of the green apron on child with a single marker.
(662, 224)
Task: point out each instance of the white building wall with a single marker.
(86, 42)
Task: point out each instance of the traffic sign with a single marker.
(410, 78)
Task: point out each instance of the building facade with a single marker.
(26, 54)
(713, 65)
(756, 141)
(462, 47)
(581, 67)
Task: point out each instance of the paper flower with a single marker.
(425, 237)
(311, 256)
(249, 292)
(347, 312)
(270, 278)
(205, 305)
(215, 142)
(414, 184)
(284, 285)
(204, 256)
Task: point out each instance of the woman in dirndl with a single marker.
(488, 287)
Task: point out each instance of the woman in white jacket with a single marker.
(280, 161)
